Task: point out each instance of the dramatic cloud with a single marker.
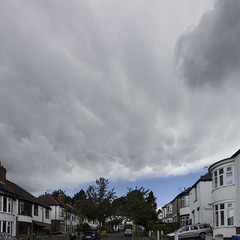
(209, 54)
(88, 89)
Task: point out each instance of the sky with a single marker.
(141, 92)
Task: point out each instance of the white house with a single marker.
(226, 195)
(21, 212)
(63, 216)
(200, 199)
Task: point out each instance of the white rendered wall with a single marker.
(203, 203)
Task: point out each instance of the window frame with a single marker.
(224, 214)
(222, 177)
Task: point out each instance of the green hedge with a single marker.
(166, 227)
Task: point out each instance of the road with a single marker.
(120, 236)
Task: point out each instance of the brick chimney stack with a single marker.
(3, 172)
(61, 196)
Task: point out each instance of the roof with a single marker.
(50, 200)
(13, 190)
(224, 160)
(205, 178)
(235, 154)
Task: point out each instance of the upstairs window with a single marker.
(222, 177)
(229, 176)
(25, 208)
(169, 209)
(47, 213)
(184, 201)
(195, 189)
(35, 209)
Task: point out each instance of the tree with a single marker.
(98, 202)
(80, 196)
(140, 204)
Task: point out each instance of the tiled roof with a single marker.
(11, 189)
(50, 200)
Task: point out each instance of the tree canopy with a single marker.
(140, 205)
(98, 202)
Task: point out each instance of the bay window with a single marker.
(223, 214)
(222, 177)
(6, 204)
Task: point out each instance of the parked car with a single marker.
(91, 235)
(5, 236)
(128, 232)
(193, 231)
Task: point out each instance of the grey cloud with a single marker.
(90, 85)
(209, 53)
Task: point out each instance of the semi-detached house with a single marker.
(193, 205)
(226, 195)
(21, 212)
(63, 216)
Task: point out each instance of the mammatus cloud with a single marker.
(89, 87)
(209, 54)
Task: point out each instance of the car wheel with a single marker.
(202, 235)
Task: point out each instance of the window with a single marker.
(229, 176)
(21, 207)
(222, 177)
(224, 214)
(35, 209)
(169, 209)
(195, 189)
(47, 213)
(216, 215)
(6, 227)
(194, 227)
(230, 214)
(184, 201)
(215, 180)
(25, 208)
(184, 220)
(5, 204)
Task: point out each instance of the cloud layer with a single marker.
(88, 89)
(209, 54)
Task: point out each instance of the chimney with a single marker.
(61, 196)
(3, 172)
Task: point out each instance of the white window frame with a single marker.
(223, 177)
(224, 214)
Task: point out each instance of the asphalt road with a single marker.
(118, 236)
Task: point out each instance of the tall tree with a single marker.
(140, 204)
(98, 202)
